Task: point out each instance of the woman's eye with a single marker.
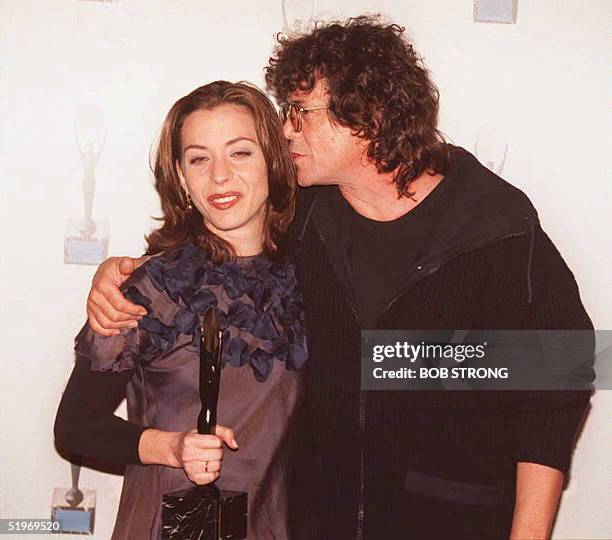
(197, 160)
(242, 153)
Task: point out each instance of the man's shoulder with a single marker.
(483, 198)
(480, 183)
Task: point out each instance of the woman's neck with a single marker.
(247, 241)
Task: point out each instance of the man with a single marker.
(402, 231)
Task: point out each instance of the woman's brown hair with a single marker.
(182, 224)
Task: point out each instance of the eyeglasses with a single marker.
(294, 113)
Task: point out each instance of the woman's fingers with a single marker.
(198, 455)
(198, 466)
(227, 436)
(203, 478)
(211, 466)
(197, 447)
(201, 456)
(194, 439)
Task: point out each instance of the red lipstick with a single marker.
(223, 201)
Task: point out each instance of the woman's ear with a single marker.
(179, 172)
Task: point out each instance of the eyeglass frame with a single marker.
(287, 107)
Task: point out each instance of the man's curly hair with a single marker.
(378, 87)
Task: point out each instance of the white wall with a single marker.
(542, 84)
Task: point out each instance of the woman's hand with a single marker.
(107, 308)
(200, 456)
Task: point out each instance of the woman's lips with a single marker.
(296, 156)
(223, 201)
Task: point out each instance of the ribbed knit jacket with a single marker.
(430, 464)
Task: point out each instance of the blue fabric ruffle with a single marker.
(264, 321)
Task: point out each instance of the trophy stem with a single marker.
(205, 512)
(211, 345)
(74, 495)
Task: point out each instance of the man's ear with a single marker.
(179, 172)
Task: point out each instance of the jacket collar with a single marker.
(484, 209)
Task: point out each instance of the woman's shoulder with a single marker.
(180, 271)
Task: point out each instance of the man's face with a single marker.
(324, 152)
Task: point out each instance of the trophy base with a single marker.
(204, 513)
(80, 248)
(77, 519)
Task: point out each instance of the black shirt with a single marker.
(380, 255)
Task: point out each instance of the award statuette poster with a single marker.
(206, 512)
(86, 240)
(298, 15)
(75, 509)
(491, 149)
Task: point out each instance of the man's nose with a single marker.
(289, 130)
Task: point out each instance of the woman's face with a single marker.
(223, 169)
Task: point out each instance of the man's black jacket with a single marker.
(430, 464)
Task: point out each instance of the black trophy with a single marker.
(206, 512)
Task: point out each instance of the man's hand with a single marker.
(107, 308)
(538, 489)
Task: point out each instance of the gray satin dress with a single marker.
(260, 310)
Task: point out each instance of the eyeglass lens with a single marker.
(291, 111)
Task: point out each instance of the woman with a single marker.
(227, 188)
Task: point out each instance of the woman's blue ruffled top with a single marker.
(257, 301)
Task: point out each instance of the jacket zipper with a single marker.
(360, 506)
(361, 424)
(418, 268)
(362, 407)
(362, 413)
(434, 269)
(362, 396)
